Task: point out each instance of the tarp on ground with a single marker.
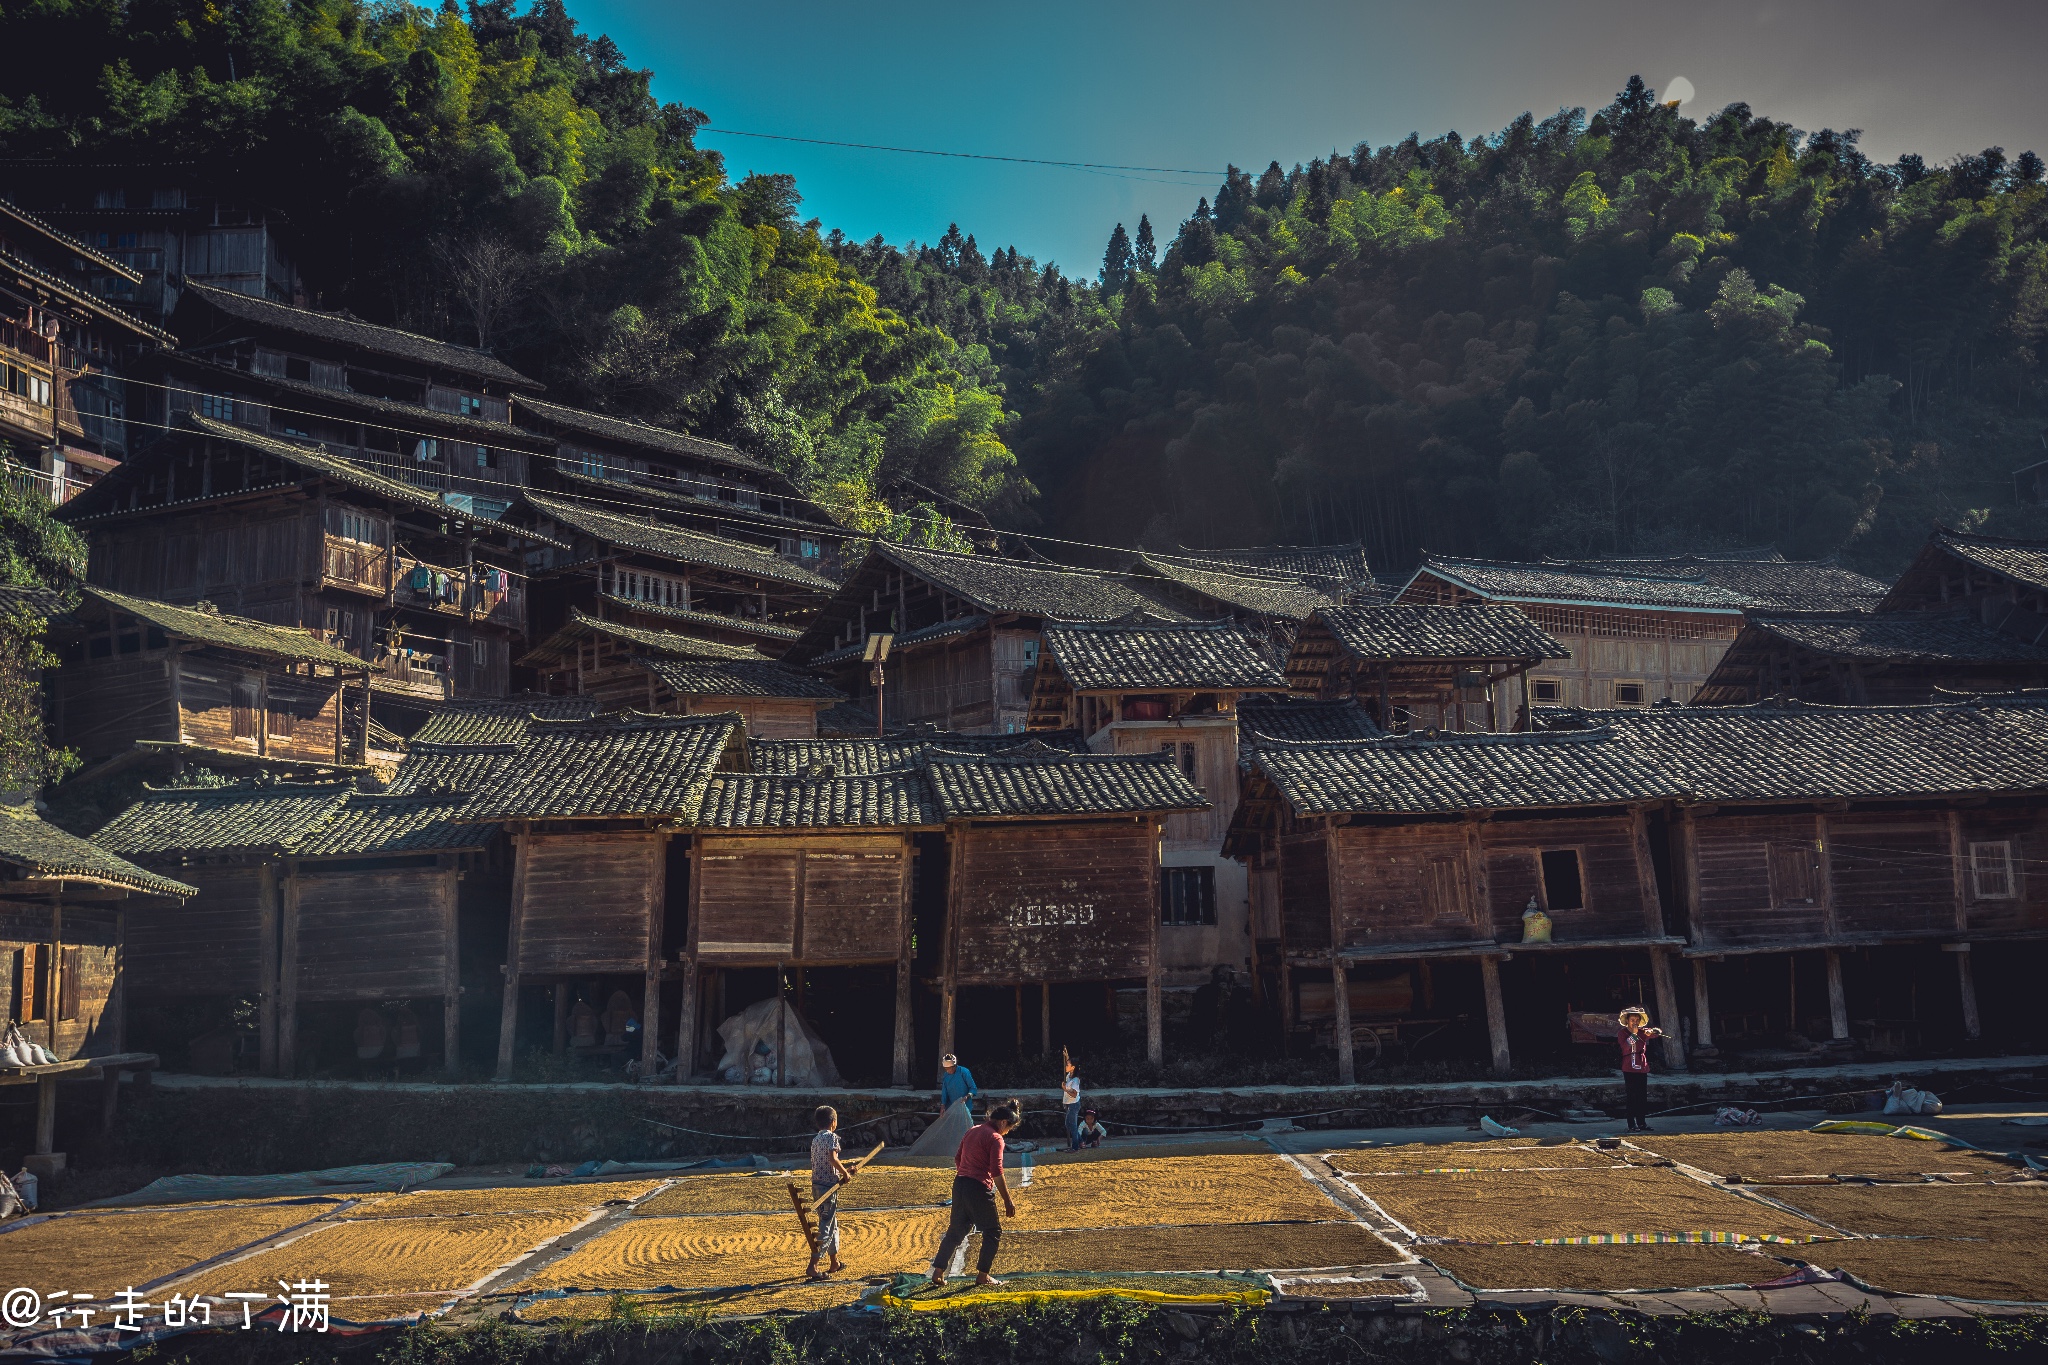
(198, 1189)
(943, 1137)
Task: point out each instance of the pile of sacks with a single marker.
(19, 1051)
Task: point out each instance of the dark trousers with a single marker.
(973, 1207)
(1636, 1090)
(1073, 1117)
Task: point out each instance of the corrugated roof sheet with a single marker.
(344, 330)
(1038, 780)
(737, 678)
(1482, 630)
(1299, 721)
(623, 764)
(866, 754)
(1516, 582)
(229, 632)
(499, 720)
(1790, 752)
(1901, 637)
(677, 543)
(1200, 655)
(40, 849)
(774, 801)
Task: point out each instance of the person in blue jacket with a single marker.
(956, 1082)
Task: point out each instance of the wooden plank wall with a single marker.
(949, 684)
(247, 563)
(816, 900)
(1890, 873)
(1406, 884)
(101, 707)
(208, 691)
(2027, 833)
(83, 973)
(585, 902)
(1054, 902)
(211, 945)
(379, 935)
(1305, 893)
(766, 717)
(1215, 773)
(1610, 878)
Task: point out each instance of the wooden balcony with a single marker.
(357, 567)
(430, 587)
(424, 676)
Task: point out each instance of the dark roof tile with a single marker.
(1765, 578)
(676, 543)
(40, 849)
(1336, 564)
(1479, 631)
(1303, 721)
(737, 678)
(2023, 561)
(1902, 637)
(624, 764)
(647, 436)
(1262, 592)
(250, 817)
(229, 632)
(499, 720)
(381, 824)
(1038, 780)
(1014, 586)
(1202, 655)
(1507, 581)
(774, 801)
(866, 754)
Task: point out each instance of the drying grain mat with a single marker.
(1997, 1213)
(1600, 1269)
(1423, 1158)
(2011, 1272)
(916, 1291)
(1526, 1206)
(1364, 1286)
(502, 1199)
(1215, 1247)
(790, 1295)
(1760, 1156)
(1175, 1190)
(661, 1253)
(1116, 1149)
(103, 1253)
(876, 1187)
(392, 1255)
(377, 1307)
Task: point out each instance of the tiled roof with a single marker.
(40, 849)
(68, 242)
(923, 635)
(700, 506)
(367, 825)
(1904, 637)
(710, 620)
(499, 720)
(1516, 582)
(865, 754)
(1201, 655)
(1037, 780)
(2024, 561)
(737, 678)
(342, 330)
(41, 601)
(1333, 563)
(1479, 631)
(659, 643)
(1786, 752)
(765, 801)
(846, 718)
(318, 459)
(1011, 585)
(676, 543)
(1766, 580)
(229, 632)
(1303, 721)
(407, 419)
(1265, 593)
(258, 817)
(624, 764)
(633, 432)
(452, 769)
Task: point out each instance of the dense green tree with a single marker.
(1119, 262)
(1147, 251)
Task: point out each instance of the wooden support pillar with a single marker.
(654, 903)
(686, 1023)
(288, 976)
(561, 1017)
(1017, 1009)
(46, 1115)
(1702, 1007)
(1496, 1014)
(948, 994)
(451, 997)
(508, 1016)
(1340, 996)
(266, 1010)
(1966, 984)
(1045, 1018)
(1838, 998)
(1155, 1042)
(1667, 1009)
(899, 1064)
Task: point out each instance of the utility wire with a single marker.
(964, 156)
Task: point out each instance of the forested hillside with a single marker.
(504, 179)
(1635, 331)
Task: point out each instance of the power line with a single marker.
(965, 156)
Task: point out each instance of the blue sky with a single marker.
(1196, 84)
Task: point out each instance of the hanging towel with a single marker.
(422, 578)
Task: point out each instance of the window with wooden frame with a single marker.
(1185, 750)
(1187, 895)
(32, 982)
(1564, 882)
(71, 963)
(1447, 888)
(1794, 872)
(1546, 691)
(1631, 694)
(1992, 875)
(283, 720)
(248, 709)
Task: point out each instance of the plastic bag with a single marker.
(768, 1043)
(1492, 1129)
(1903, 1099)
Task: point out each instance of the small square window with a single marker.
(1187, 895)
(1548, 691)
(1991, 871)
(1630, 694)
(298, 367)
(1563, 886)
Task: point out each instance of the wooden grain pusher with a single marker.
(807, 1209)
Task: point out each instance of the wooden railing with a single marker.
(420, 674)
(443, 590)
(352, 564)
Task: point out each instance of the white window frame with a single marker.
(656, 589)
(1991, 862)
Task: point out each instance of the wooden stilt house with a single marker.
(2001, 581)
(1887, 658)
(1423, 667)
(64, 907)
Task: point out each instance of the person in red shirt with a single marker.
(977, 1180)
(1634, 1038)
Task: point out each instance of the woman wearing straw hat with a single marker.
(1634, 1038)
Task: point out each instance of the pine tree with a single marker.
(1148, 250)
(1117, 262)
